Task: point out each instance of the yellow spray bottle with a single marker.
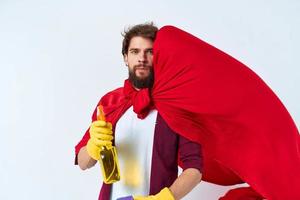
(108, 157)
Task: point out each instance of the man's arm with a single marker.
(84, 160)
(190, 153)
(187, 180)
(100, 135)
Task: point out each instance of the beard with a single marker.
(141, 82)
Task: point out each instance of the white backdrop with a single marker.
(57, 58)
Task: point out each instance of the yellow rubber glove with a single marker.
(164, 194)
(100, 135)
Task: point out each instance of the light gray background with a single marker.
(57, 58)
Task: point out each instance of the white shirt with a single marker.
(134, 142)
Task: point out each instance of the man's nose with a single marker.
(142, 57)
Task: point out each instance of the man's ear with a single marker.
(125, 57)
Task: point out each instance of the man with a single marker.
(146, 146)
(210, 98)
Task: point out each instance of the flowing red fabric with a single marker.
(246, 133)
(211, 98)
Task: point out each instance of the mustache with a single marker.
(141, 66)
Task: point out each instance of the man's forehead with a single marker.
(140, 42)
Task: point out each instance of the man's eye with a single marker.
(150, 51)
(134, 52)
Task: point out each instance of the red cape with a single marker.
(205, 95)
(211, 98)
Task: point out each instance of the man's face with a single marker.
(139, 60)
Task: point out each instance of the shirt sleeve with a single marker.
(190, 154)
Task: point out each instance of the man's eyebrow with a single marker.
(131, 49)
(137, 49)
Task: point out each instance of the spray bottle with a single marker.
(108, 157)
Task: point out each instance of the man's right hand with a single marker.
(100, 135)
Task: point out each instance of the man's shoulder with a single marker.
(112, 96)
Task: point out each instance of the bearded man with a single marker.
(148, 149)
(188, 103)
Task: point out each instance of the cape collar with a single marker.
(140, 99)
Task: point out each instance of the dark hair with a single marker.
(146, 30)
